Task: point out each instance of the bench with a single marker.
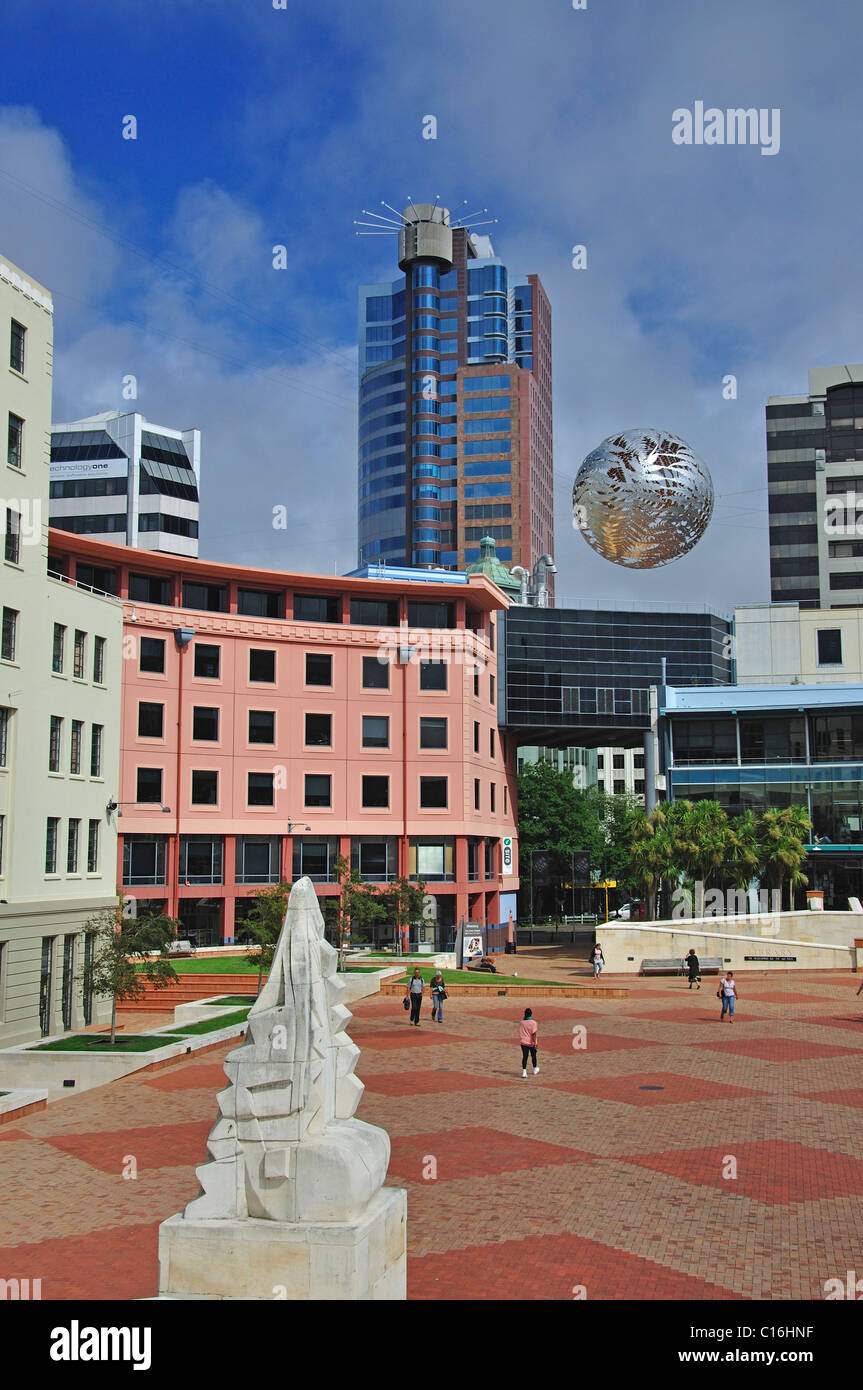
(180, 948)
(708, 965)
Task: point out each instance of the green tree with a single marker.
(554, 815)
(614, 813)
(404, 902)
(264, 924)
(359, 905)
(122, 957)
(655, 852)
(782, 839)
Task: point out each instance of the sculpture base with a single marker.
(358, 1260)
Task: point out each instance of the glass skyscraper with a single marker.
(455, 425)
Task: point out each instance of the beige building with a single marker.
(784, 644)
(60, 656)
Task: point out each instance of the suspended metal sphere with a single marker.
(642, 499)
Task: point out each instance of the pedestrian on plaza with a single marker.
(598, 960)
(727, 992)
(694, 969)
(527, 1036)
(438, 995)
(416, 985)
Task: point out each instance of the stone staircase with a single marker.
(187, 990)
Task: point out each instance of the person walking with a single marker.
(694, 969)
(438, 995)
(598, 960)
(527, 1036)
(416, 986)
(727, 992)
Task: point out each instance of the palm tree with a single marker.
(782, 843)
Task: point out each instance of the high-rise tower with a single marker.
(455, 414)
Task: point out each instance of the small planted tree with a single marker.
(404, 902)
(123, 957)
(360, 905)
(263, 925)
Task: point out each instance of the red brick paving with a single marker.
(572, 1177)
(772, 1171)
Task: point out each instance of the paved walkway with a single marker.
(612, 1171)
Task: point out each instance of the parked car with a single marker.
(629, 912)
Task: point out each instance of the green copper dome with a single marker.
(493, 568)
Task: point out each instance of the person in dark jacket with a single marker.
(694, 969)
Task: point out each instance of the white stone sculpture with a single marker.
(290, 1171)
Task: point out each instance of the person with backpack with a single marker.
(416, 985)
(694, 969)
(438, 995)
(727, 992)
(527, 1035)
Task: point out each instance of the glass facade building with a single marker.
(455, 435)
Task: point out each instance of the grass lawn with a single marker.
(212, 965)
(101, 1042)
(472, 977)
(245, 999)
(210, 1025)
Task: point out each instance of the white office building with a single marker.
(118, 477)
(60, 660)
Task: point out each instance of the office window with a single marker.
(152, 655)
(58, 648)
(79, 654)
(315, 859)
(213, 598)
(639, 786)
(431, 859)
(144, 859)
(201, 858)
(619, 787)
(2, 839)
(376, 731)
(93, 847)
(638, 760)
(149, 785)
(98, 660)
(475, 737)
(433, 675)
(319, 669)
(16, 346)
(318, 789)
(96, 751)
(205, 723)
(490, 858)
(51, 827)
(319, 730)
(600, 761)
(150, 588)
(505, 801)
(4, 737)
(262, 726)
(10, 634)
(207, 661)
(375, 612)
(375, 860)
(493, 798)
(75, 741)
(376, 792)
(376, 674)
(260, 603)
(72, 835)
(12, 549)
(476, 688)
(205, 788)
(433, 793)
(54, 742)
(15, 441)
(258, 859)
(151, 720)
(317, 608)
(491, 743)
(491, 689)
(433, 733)
(476, 794)
(830, 647)
(262, 666)
(618, 761)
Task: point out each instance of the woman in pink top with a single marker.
(527, 1036)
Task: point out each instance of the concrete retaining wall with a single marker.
(801, 941)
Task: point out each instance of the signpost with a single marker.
(606, 883)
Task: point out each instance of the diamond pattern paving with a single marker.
(586, 1175)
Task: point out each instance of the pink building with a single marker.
(273, 722)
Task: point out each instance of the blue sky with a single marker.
(259, 126)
